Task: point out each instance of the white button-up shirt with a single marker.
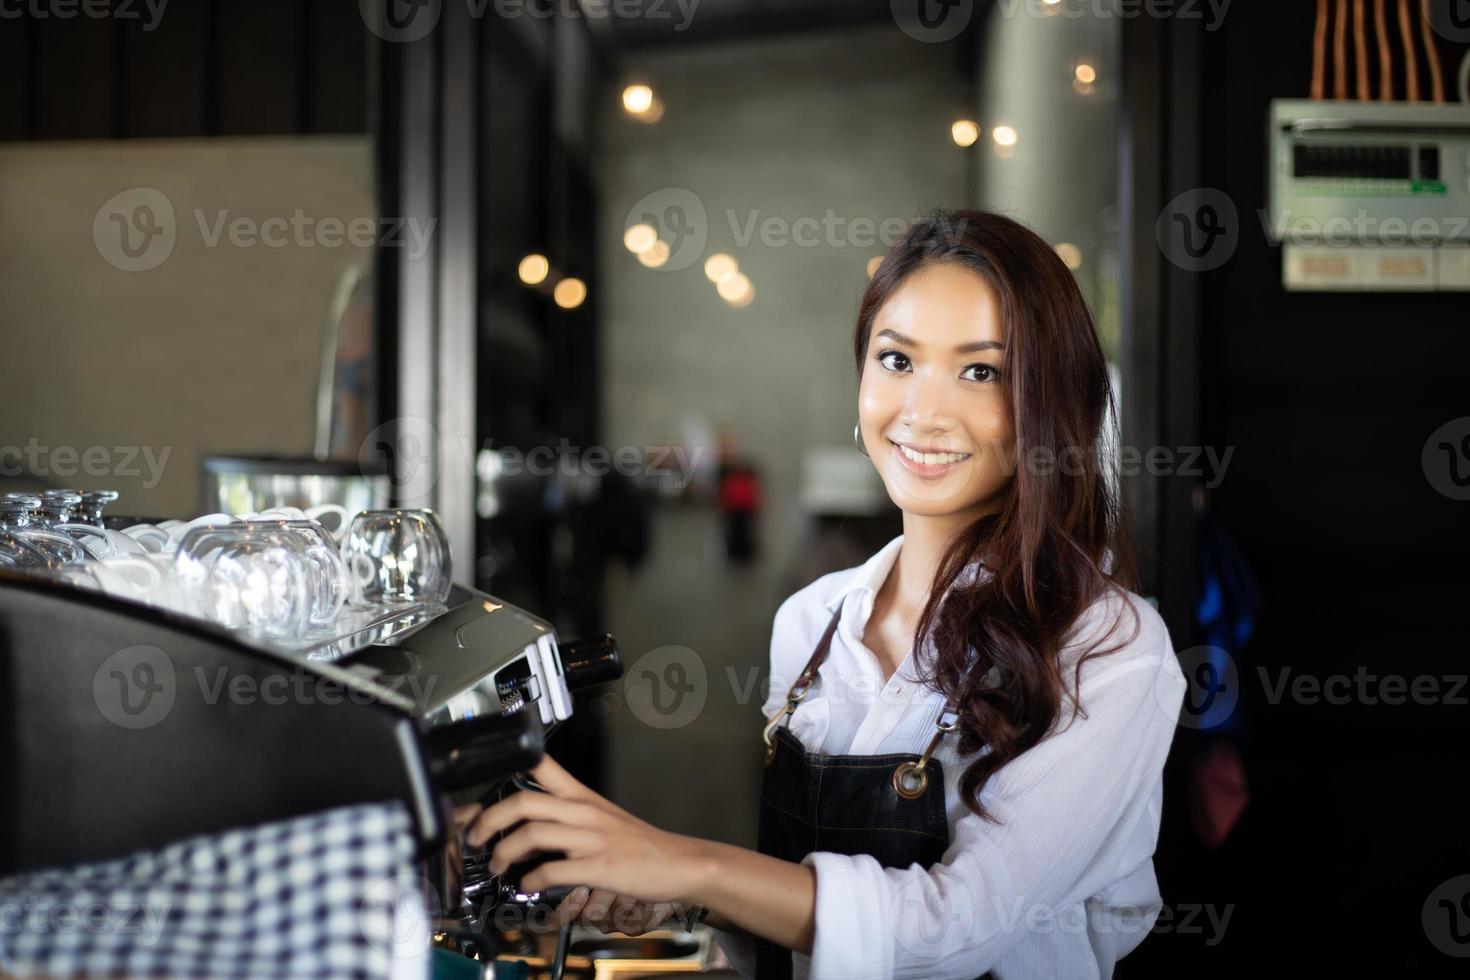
(1064, 885)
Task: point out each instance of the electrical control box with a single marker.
(1370, 196)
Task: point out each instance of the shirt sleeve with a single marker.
(1069, 808)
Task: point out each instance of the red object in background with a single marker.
(740, 490)
(1218, 792)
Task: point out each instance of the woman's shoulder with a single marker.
(1127, 633)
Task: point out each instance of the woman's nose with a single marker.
(928, 404)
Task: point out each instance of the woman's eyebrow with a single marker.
(959, 348)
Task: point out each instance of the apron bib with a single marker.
(888, 806)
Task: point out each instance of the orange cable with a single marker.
(1431, 52)
(1385, 54)
(1319, 50)
(1411, 61)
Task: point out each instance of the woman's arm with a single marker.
(608, 848)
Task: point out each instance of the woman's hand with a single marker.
(607, 849)
(611, 912)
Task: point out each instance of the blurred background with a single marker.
(582, 275)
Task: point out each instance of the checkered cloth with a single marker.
(336, 894)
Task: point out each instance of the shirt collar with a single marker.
(872, 573)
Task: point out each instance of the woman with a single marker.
(966, 733)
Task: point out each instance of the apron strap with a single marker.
(911, 779)
(798, 690)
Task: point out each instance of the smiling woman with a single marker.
(965, 735)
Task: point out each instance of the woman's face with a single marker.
(931, 404)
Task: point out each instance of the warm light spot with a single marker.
(640, 238)
(655, 256)
(736, 290)
(1086, 74)
(719, 267)
(873, 264)
(637, 99)
(1071, 255)
(569, 293)
(1004, 136)
(965, 132)
(533, 269)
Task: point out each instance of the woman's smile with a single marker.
(926, 462)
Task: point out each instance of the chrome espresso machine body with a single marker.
(127, 726)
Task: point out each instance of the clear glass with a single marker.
(397, 557)
(271, 579)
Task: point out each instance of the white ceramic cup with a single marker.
(334, 517)
(177, 532)
(152, 538)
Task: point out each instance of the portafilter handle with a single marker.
(588, 662)
(485, 749)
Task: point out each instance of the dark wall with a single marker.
(205, 68)
(1327, 401)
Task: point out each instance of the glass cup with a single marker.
(17, 511)
(89, 511)
(397, 557)
(280, 580)
(326, 576)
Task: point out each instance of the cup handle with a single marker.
(320, 510)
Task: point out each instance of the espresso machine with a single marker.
(111, 707)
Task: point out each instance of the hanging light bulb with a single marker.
(533, 269)
(965, 132)
(719, 267)
(569, 293)
(639, 238)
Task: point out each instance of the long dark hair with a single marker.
(998, 642)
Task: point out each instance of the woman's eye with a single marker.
(985, 372)
(893, 360)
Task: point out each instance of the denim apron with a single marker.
(889, 806)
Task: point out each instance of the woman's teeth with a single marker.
(931, 459)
